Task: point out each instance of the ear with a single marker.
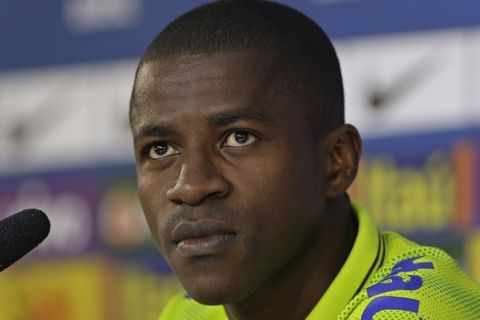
(343, 148)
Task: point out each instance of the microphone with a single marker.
(20, 233)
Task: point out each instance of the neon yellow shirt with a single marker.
(385, 277)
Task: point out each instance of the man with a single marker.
(243, 161)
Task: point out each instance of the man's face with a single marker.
(229, 175)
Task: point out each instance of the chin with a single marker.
(212, 293)
(209, 300)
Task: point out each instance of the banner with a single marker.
(58, 32)
(423, 183)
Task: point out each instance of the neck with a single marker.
(297, 288)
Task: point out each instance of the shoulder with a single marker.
(182, 307)
(415, 282)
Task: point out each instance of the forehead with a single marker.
(185, 69)
(206, 83)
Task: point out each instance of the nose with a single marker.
(197, 181)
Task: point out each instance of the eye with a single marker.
(160, 150)
(239, 138)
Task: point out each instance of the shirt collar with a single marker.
(365, 257)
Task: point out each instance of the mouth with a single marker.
(201, 238)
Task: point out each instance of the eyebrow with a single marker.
(218, 119)
(225, 118)
(153, 131)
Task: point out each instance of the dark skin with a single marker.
(245, 203)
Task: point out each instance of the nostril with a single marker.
(193, 186)
(192, 194)
(178, 202)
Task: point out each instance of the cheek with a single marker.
(291, 182)
(291, 199)
(152, 201)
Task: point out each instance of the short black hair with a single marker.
(313, 69)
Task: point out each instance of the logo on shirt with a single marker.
(395, 282)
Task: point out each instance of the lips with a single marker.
(201, 237)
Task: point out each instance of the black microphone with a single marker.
(20, 233)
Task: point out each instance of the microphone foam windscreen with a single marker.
(20, 233)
